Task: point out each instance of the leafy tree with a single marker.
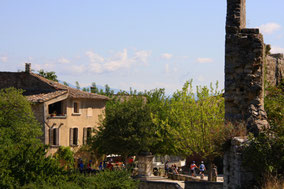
(23, 157)
(65, 83)
(94, 88)
(48, 75)
(86, 89)
(128, 127)
(194, 123)
(77, 85)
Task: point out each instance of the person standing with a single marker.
(167, 168)
(214, 173)
(192, 168)
(202, 168)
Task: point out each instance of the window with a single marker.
(56, 108)
(76, 107)
(74, 136)
(87, 135)
(54, 136)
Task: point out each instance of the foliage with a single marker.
(65, 83)
(48, 75)
(128, 127)
(65, 156)
(274, 101)
(22, 156)
(264, 154)
(119, 179)
(195, 123)
(17, 122)
(77, 85)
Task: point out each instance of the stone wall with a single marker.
(235, 175)
(203, 185)
(244, 71)
(274, 69)
(158, 185)
(244, 88)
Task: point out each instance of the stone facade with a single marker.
(274, 69)
(67, 115)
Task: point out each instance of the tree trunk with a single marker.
(210, 166)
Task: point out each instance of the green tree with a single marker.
(77, 85)
(128, 127)
(65, 83)
(86, 89)
(195, 122)
(23, 157)
(94, 88)
(48, 75)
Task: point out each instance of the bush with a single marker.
(119, 179)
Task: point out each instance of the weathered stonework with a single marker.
(244, 71)
(235, 176)
(244, 88)
(274, 69)
(145, 165)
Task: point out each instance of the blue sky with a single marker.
(127, 43)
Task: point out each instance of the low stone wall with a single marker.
(203, 185)
(158, 185)
(182, 177)
(236, 176)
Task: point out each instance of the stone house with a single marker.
(67, 115)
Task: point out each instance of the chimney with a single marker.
(28, 68)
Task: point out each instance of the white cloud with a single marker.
(166, 56)
(117, 61)
(3, 58)
(269, 28)
(46, 67)
(277, 49)
(142, 56)
(94, 57)
(204, 60)
(63, 60)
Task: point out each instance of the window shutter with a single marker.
(50, 136)
(71, 137)
(85, 136)
(57, 136)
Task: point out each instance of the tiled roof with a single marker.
(45, 96)
(40, 89)
(73, 93)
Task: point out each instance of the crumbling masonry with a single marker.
(245, 67)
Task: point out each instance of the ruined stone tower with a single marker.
(244, 89)
(244, 70)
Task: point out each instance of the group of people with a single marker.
(171, 169)
(104, 165)
(201, 168)
(85, 169)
